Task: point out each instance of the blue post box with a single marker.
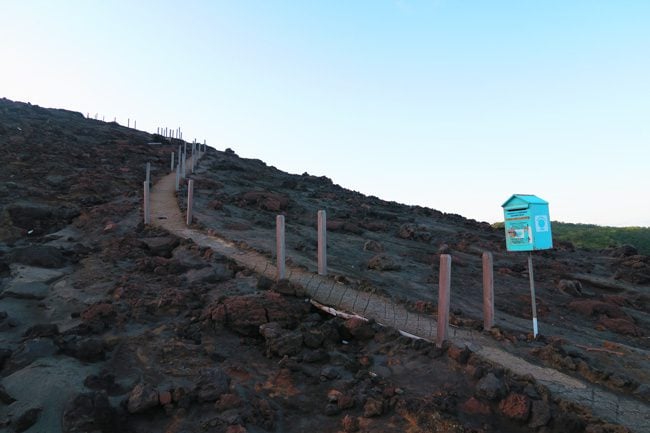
(527, 223)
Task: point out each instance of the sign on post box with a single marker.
(527, 223)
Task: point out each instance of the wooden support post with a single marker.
(444, 292)
(532, 293)
(280, 246)
(178, 176)
(190, 200)
(322, 242)
(184, 158)
(488, 290)
(172, 164)
(146, 202)
(193, 158)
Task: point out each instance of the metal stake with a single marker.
(532, 292)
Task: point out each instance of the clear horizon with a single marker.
(435, 103)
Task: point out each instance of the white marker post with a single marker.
(322, 242)
(178, 176)
(190, 200)
(444, 292)
(135, 124)
(532, 293)
(128, 122)
(488, 290)
(280, 246)
(183, 159)
(146, 203)
(193, 158)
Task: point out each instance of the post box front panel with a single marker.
(519, 230)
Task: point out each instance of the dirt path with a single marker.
(631, 413)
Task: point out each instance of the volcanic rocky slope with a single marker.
(108, 325)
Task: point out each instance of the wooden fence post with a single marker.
(488, 290)
(322, 242)
(147, 218)
(280, 246)
(190, 200)
(444, 292)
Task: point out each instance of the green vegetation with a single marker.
(598, 237)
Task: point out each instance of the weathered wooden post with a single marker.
(148, 175)
(488, 290)
(280, 246)
(193, 158)
(178, 176)
(444, 292)
(184, 158)
(190, 200)
(172, 164)
(322, 242)
(146, 203)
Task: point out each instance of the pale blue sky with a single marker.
(454, 105)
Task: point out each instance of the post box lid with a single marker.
(522, 200)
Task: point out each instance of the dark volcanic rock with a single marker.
(27, 419)
(540, 414)
(623, 251)
(161, 246)
(31, 290)
(620, 326)
(5, 398)
(43, 256)
(245, 314)
(383, 262)
(212, 274)
(142, 398)
(591, 307)
(40, 217)
(570, 287)
(491, 387)
(265, 200)
(373, 246)
(212, 384)
(30, 351)
(43, 330)
(85, 349)
(516, 406)
(89, 413)
(280, 341)
(359, 328)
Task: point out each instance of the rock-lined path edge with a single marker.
(631, 413)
